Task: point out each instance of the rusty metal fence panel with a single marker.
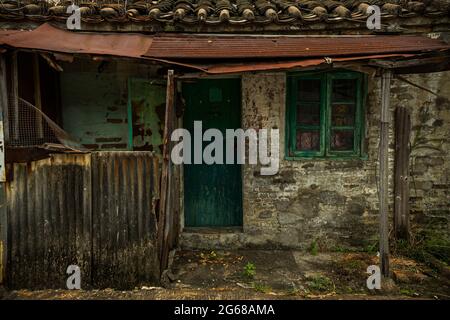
(49, 220)
(124, 185)
(93, 210)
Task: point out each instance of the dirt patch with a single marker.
(276, 274)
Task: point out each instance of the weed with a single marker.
(355, 265)
(314, 248)
(250, 270)
(369, 248)
(261, 287)
(407, 292)
(425, 243)
(321, 283)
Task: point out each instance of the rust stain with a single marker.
(49, 38)
(137, 108)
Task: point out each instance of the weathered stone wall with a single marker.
(335, 202)
(430, 155)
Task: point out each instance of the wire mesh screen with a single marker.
(27, 126)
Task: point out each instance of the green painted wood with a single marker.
(95, 109)
(146, 105)
(213, 193)
(325, 126)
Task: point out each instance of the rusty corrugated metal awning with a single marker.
(251, 47)
(223, 53)
(49, 38)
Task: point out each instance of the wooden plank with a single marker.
(3, 138)
(391, 64)
(384, 172)
(177, 205)
(401, 173)
(4, 97)
(15, 94)
(163, 210)
(37, 95)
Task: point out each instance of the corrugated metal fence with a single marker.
(93, 210)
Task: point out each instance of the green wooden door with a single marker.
(212, 193)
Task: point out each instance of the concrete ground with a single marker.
(259, 274)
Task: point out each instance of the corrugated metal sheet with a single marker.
(125, 189)
(198, 46)
(49, 221)
(93, 210)
(49, 38)
(251, 47)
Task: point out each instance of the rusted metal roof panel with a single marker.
(255, 53)
(250, 47)
(224, 68)
(49, 38)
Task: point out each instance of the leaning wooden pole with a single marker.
(401, 173)
(164, 217)
(384, 172)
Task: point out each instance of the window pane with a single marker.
(308, 113)
(308, 140)
(342, 140)
(342, 114)
(309, 90)
(344, 90)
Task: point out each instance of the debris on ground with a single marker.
(274, 274)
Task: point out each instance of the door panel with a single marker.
(213, 193)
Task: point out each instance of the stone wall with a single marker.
(334, 203)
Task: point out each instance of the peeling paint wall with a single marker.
(147, 100)
(335, 202)
(95, 102)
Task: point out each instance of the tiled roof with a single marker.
(219, 12)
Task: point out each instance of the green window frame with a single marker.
(325, 136)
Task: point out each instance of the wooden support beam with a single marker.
(37, 95)
(165, 214)
(4, 102)
(407, 63)
(409, 66)
(15, 94)
(401, 173)
(384, 171)
(3, 213)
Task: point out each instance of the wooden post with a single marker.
(15, 95)
(166, 173)
(37, 95)
(401, 173)
(384, 172)
(3, 204)
(4, 103)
